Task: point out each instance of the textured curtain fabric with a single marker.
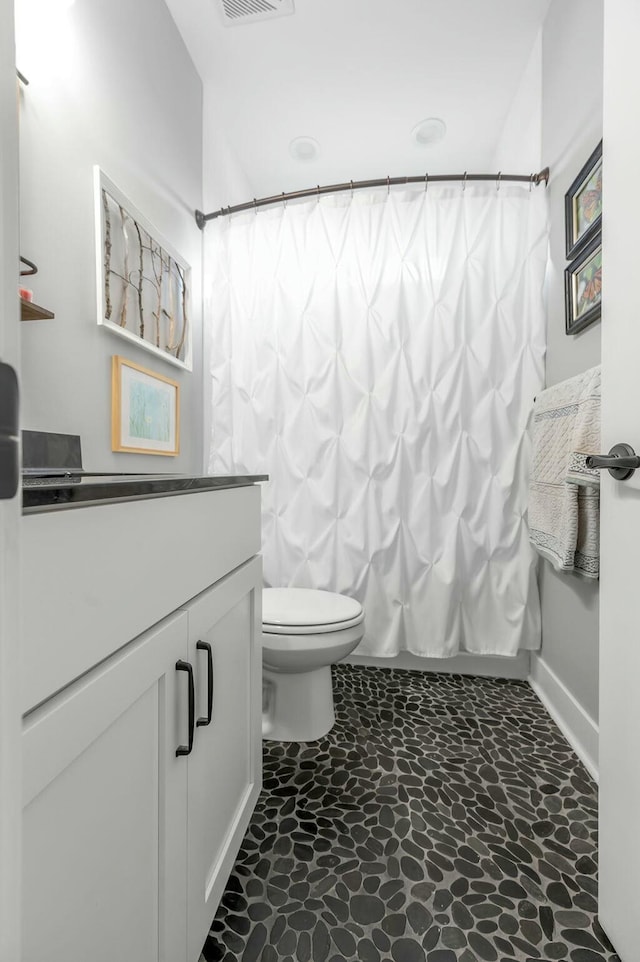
(378, 356)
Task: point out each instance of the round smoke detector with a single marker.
(429, 132)
(304, 149)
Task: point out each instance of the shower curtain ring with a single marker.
(498, 180)
(351, 190)
(464, 181)
(318, 200)
(284, 201)
(531, 182)
(255, 206)
(426, 182)
(388, 185)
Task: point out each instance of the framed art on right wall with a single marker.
(583, 205)
(583, 287)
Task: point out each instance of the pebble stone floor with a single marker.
(443, 818)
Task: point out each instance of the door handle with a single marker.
(9, 439)
(621, 461)
(205, 646)
(185, 666)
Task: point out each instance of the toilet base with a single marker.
(297, 707)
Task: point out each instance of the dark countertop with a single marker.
(50, 494)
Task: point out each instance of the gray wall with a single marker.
(571, 128)
(111, 83)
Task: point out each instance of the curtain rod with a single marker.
(388, 182)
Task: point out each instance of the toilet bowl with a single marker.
(304, 632)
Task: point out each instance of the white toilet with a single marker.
(304, 632)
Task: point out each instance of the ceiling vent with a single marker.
(236, 12)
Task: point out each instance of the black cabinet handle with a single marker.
(205, 646)
(185, 666)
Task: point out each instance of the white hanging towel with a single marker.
(564, 495)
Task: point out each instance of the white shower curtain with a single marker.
(377, 356)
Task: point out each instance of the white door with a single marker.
(105, 819)
(226, 762)
(620, 518)
(9, 509)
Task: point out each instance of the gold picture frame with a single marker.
(145, 410)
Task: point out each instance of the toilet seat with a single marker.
(304, 632)
(307, 611)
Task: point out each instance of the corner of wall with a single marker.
(578, 727)
(565, 672)
(224, 182)
(520, 144)
(224, 179)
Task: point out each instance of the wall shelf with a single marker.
(32, 312)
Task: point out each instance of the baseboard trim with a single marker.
(580, 730)
(488, 666)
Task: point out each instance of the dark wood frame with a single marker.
(576, 265)
(572, 246)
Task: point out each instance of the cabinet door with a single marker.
(104, 818)
(226, 763)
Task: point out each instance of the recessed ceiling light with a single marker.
(304, 148)
(429, 132)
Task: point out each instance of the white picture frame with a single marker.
(154, 313)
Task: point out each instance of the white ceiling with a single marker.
(358, 75)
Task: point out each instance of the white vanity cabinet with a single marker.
(141, 774)
(104, 817)
(224, 642)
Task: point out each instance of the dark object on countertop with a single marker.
(53, 477)
(45, 453)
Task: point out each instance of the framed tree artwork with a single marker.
(143, 284)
